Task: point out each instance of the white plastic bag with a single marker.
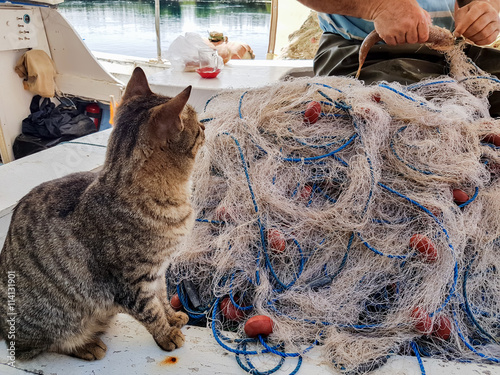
(183, 52)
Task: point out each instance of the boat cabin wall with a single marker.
(14, 100)
(78, 72)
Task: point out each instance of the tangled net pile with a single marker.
(313, 224)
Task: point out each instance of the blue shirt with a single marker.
(357, 28)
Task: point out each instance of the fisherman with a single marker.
(404, 25)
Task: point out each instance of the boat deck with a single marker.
(132, 351)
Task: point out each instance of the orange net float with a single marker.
(113, 106)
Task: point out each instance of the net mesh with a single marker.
(349, 231)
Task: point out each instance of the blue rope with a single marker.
(256, 207)
(419, 85)
(422, 104)
(344, 259)
(324, 85)
(393, 149)
(490, 145)
(280, 353)
(466, 305)
(251, 368)
(241, 349)
(443, 229)
(231, 296)
(240, 103)
(468, 345)
(343, 106)
(196, 315)
(208, 101)
(419, 359)
(276, 277)
(199, 220)
(480, 77)
(330, 199)
(390, 256)
(471, 199)
(326, 97)
(219, 336)
(331, 153)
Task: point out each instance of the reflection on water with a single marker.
(128, 27)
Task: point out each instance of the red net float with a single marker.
(259, 325)
(276, 240)
(305, 192)
(442, 327)
(421, 320)
(424, 246)
(459, 196)
(230, 311)
(221, 214)
(312, 113)
(175, 302)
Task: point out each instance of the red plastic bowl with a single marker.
(208, 72)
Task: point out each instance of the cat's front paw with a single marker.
(174, 339)
(178, 319)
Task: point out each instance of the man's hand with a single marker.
(396, 21)
(478, 21)
(400, 22)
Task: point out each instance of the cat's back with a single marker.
(41, 212)
(54, 199)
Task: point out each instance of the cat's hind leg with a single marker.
(91, 351)
(87, 344)
(25, 353)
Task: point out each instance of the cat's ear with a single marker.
(138, 85)
(167, 121)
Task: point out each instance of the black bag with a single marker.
(48, 121)
(25, 145)
(48, 125)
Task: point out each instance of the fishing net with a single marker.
(369, 231)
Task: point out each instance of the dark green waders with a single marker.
(405, 64)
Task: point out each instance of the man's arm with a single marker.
(478, 21)
(396, 21)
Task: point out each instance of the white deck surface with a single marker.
(132, 351)
(237, 74)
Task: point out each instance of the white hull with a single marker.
(131, 350)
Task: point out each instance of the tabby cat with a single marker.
(89, 245)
